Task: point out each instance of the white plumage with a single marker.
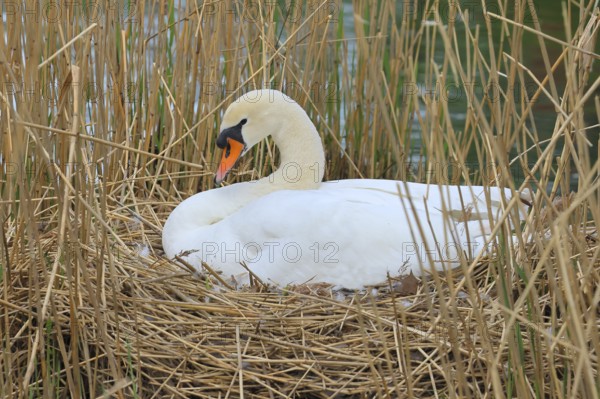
(289, 228)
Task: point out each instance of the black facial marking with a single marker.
(233, 132)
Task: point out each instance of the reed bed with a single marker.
(109, 113)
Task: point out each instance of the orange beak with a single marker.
(231, 153)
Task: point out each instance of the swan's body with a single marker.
(289, 228)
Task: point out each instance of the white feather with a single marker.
(349, 233)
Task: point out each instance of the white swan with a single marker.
(290, 228)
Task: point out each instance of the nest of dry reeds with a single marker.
(140, 325)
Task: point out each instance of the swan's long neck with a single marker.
(302, 168)
(302, 163)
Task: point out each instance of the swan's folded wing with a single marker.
(354, 233)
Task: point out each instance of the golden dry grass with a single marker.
(108, 117)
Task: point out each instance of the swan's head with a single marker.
(249, 119)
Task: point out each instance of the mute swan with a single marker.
(290, 228)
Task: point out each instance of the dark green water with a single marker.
(552, 21)
(549, 13)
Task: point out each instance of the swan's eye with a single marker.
(228, 150)
(243, 121)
